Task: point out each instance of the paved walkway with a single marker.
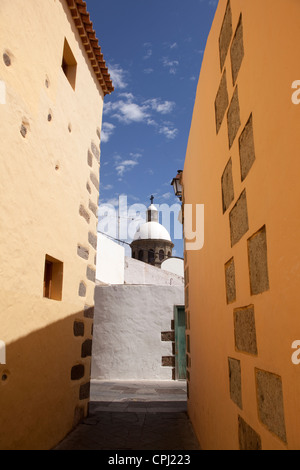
(135, 416)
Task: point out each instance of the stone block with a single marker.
(90, 158)
(6, 59)
(89, 311)
(96, 151)
(230, 281)
(233, 117)
(235, 381)
(270, 402)
(91, 274)
(93, 208)
(86, 349)
(225, 35)
(246, 149)
(227, 186)
(258, 262)
(237, 51)
(94, 180)
(92, 240)
(83, 252)
(248, 438)
(77, 372)
(168, 336)
(82, 289)
(84, 392)
(244, 330)
(78, 328)
(168, 361)
(221, 102)
(84, 213)
(238, 219)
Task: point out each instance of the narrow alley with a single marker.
(135, 416)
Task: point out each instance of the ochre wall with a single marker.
(49, 195)
(243, 387)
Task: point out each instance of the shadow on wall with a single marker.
(44, 386)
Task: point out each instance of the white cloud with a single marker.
(149, 51)
(106, 187)
(168, 132)
(148, 54)
(128, 110)
(148, 70)
(161, 107)
(118, 76)
(171, 64)
(135, 155)
(107, 131)
(125, 166)
(174, 45)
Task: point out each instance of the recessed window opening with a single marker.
(151, 257)
(53, 278)
(69, 64)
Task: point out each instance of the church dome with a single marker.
(152, 231)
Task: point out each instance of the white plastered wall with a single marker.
(128, 323)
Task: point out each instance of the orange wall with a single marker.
(268, 69)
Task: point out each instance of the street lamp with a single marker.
(177, 186)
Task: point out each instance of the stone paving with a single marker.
(135, 416)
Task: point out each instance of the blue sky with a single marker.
(154, 51)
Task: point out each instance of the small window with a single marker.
(141, 255)
(69, 64)
(53, 278)
(161, 255)
(133, 255)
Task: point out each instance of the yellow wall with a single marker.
(266, 397)
(46, 209)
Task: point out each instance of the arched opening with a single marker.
(133, 254)
(161, 255)
(151, 257)
(141, 255)
(169, 254)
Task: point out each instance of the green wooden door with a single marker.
(180, 343)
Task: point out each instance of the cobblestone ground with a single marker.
(135, 416)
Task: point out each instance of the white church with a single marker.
(139, 318)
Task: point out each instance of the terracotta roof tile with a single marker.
(87, 33)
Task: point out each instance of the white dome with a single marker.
(152, 231)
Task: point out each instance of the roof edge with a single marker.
(84, 25)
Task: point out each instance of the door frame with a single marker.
(177, 309)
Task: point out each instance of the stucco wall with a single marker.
(242, 288)
(173, 265)
(49, 187)
(110, 261)
(128, 326)
(138, 272)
